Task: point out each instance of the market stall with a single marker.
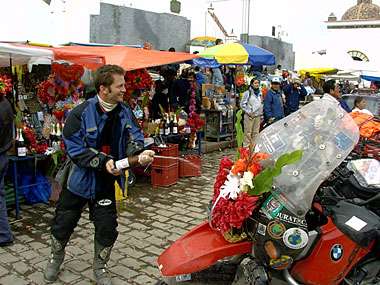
(219, 104)
(46, 93)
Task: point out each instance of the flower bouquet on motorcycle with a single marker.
(263, 216)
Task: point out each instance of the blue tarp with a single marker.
(370, 78)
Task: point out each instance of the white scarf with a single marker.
(108, 107)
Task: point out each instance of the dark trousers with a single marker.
(5, 231)
(102, 213)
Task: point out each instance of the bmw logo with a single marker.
(336, 252)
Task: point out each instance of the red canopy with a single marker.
(127, 57)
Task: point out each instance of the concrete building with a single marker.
(124, 25)
(357, 33)
(283, 51)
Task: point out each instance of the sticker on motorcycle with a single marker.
(271, 208)
(281, 263)
(336, 252)
(276, 229)
(342, 141)
(261, 229)
(356, 223)
(295, 238)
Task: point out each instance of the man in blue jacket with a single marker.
(273, 102)
(294, 92)
(96, 134)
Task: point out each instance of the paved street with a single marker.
(149, 220)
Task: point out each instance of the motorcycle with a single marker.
(319, 225)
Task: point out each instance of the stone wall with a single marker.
(282, 50)
(124, 25)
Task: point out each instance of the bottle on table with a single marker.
(20, 144)
(175, 125)
(167, 126)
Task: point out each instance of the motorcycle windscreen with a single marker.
(197, 250)
(325, 133)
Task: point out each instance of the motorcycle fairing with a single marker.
(198, 249)
(319, 268)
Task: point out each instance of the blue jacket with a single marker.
(273, 106)
(293, 97)
(81, 136)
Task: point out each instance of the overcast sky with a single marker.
(302, 20)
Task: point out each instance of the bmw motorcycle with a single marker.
(319, 225)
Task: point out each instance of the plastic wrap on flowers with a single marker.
(239, 188)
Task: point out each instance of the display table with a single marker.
(219, 125)
(13, 167)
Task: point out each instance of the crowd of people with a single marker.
(282, 99)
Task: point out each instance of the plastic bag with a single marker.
(39, 192)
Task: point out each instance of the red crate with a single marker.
(171, 150)
(191, 166)
(164, 176)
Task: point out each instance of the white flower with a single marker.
(231, 187)
(247, 179)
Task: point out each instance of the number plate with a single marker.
(184, 277)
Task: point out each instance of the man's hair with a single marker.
(172, 49)
(218, 41)
(104, 75)
(329, 85)
(358, 100)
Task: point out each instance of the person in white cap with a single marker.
(273, 102)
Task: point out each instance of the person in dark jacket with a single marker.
(273, 102)
(294, 93)
(97, 133)
(6, 137)
(180, 93)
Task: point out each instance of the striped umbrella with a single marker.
(236, 53)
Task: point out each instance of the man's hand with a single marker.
(111, 168)
(146, 157)
(271, 120)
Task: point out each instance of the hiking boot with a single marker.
(101, 257)
(57, 256)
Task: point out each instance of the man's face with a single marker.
(115, 93)
(335, 92)
(276, 86)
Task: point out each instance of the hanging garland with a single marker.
(64, 82)
(194, 121)
(138, 79)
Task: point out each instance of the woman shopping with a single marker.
(253, 108)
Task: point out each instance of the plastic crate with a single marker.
(190, 166)
(164, 176)
(171, 151)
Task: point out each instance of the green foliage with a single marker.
(18, 118)
(145, 101)
(263, 181)
(57, 160)
(239, 131)
(162, 110)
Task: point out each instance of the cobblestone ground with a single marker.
(149, 220)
